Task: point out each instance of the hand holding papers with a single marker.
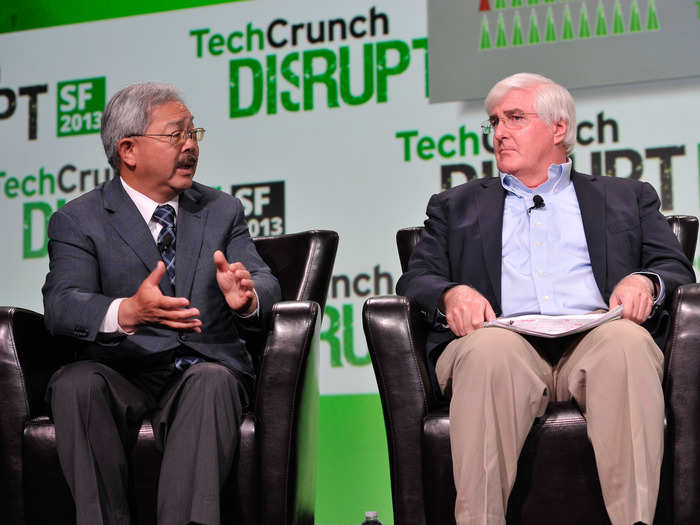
(554, 325)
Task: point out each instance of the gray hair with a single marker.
(553, 103)
(128, 112)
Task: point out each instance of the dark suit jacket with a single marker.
(624, 229)
(101, 249)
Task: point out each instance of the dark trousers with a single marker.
(98, 410)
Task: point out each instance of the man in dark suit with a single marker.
(543, 238)
(140, 274)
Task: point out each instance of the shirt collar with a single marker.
(558, 178)
(144, 204)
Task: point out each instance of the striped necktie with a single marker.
(165, 216)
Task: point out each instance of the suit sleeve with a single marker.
(240, 248)
(73, 304)
(660, 251)
(428, 275)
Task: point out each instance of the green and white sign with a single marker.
(80, 106)
(317, 116)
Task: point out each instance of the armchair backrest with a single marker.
(302, 262)
(685, 227)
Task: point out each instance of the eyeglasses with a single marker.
(510, 121)
(177, 137)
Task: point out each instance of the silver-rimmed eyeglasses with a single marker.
(177, 137)
(511, 120)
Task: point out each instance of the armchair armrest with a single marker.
(29, 355)
(682, 393)
(287, 405)
(396, 337)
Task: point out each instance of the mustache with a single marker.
(187, 161)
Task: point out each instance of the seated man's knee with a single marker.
(212, 376)
(488, 349)
(624, 348)
(624, 336)
(77, 379)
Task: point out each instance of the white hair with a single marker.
(128, 113)
(553, 103)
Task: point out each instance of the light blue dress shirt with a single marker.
(546, 267)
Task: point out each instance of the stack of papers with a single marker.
(555, 325)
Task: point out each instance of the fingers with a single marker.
(176, 315)
(156, 275)
(172, 303)
(614, 301)
(181, 319)
(220, 261)
(236, 270)
(456, 324)
(640, 309)
(490, 314)
(194, 325)
(239, 270)
(466, 309)
(634, 293)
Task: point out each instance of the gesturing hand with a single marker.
(236, 285)
(635, 293)
(466, 309)
(149, 305)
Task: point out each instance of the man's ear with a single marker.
(560, 129)
(127, 152)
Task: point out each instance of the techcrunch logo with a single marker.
(46, 192)
(508, 28)
(292, 81)
(340, 318)
(280, 33)
(68, 179)
(597, 133)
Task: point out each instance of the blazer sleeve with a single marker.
(73, 304)
(661, 252)
(428, 275)
(240, 247)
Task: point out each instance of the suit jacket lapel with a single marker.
(590, 196)
(191, 219)
(490, 204)
(126, 220)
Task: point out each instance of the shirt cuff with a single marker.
(252, 314)
(110, 323)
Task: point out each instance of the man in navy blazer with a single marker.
(543, 238)
(142, 274)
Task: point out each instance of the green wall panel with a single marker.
(353, 462)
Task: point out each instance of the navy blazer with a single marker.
(461, 244)
(100, 249)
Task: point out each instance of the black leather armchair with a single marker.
(274, 480)
(557, 482)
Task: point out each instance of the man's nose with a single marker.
(190, 142)
(499, 130)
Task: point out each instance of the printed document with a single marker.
(555, 325)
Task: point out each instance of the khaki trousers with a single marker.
(500, 383)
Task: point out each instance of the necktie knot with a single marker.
(165, 215)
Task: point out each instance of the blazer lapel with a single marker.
(126, 220)
(490, 204)
(190, 234)
(590, 195)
